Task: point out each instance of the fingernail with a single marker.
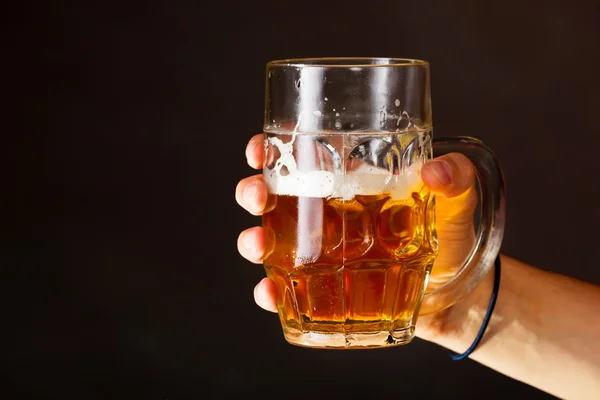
(256, 289)
(442, 171)
(249, 243)
(250, 195)
(252, 146)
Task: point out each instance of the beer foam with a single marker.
(365, 180)
(369, 180)
(318, 184)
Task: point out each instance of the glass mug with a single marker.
(350, 222)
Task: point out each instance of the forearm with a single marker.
(545, 330)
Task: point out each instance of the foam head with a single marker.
(365, 180)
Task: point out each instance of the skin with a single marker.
(545, 329)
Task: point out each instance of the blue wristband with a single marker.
(486, 319)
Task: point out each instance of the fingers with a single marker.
(265, 295)
(255, 151)
(256, 244)
(449, 175)
(251, 194)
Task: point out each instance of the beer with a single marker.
(354, 244)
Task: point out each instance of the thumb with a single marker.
(451, 178)
(449, 175)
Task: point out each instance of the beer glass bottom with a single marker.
(354, 340)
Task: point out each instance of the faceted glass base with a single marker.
(351, 340)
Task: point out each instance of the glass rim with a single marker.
(347, 62)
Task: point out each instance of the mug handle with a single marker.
(488, 237)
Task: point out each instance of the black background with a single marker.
(122, 279)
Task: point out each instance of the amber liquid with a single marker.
(350, 273)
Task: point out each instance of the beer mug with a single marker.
(351, 224)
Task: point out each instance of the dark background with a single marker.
(121, 278)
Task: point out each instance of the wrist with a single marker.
(456, 327)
